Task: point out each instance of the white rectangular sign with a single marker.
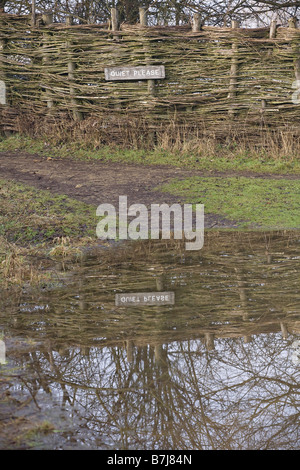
(147, 72)
(145, 298)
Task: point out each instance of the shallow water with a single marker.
(219, 369)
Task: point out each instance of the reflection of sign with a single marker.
(2, 352)
(2, 92)
(147, 72)
(145, 298)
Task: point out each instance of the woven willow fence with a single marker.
(216, 78)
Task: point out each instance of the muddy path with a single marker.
(96, 182)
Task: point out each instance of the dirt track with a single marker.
(96, 182)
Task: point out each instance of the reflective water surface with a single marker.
(219, 369)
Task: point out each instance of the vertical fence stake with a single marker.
(144, 22)
(115, 27)
(143, 16)
(3, 98)
(196, 26)
(263, 106)
(3, 85)
(47, 20)
(77, 115)
(150, 83)
(33, 13)
(233, 69)
(196, 22)
(293, 23)
(273, 28)
(69, 20)
(3, 92)
(114, 19)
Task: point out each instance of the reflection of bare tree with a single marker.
(185, 377)
(177, 396)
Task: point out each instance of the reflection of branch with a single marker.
(183, 400)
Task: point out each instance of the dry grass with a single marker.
(19, 265)
(263, 145)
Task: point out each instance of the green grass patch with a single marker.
(258, 202)
(208, 155)
(33, 216)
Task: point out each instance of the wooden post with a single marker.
(293, 24)
(3, 81)
(3, 99)
(33, 18)
(262, 109)
(273, 29)
(115, 27)
(160, 283)
(144, 22)
(247, 339)
(114, 19)
(143, 16)
(3, 90)
(47, 19)
(150, 83)
(263, 105)
(233, 69)
(114, 22)
(196, 22)
(242, 285)
(129, 350)
(196, 26)
(284, 330)
(77, 115)
(209, 341)
(69, 20)
(158, 353)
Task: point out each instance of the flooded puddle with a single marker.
(216, 369)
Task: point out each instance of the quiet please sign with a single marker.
(145, 298)
(147, 72)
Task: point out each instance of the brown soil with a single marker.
(96, 182)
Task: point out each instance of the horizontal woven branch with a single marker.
(210, 73)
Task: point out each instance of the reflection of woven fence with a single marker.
(213, 75)
(235, 287)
